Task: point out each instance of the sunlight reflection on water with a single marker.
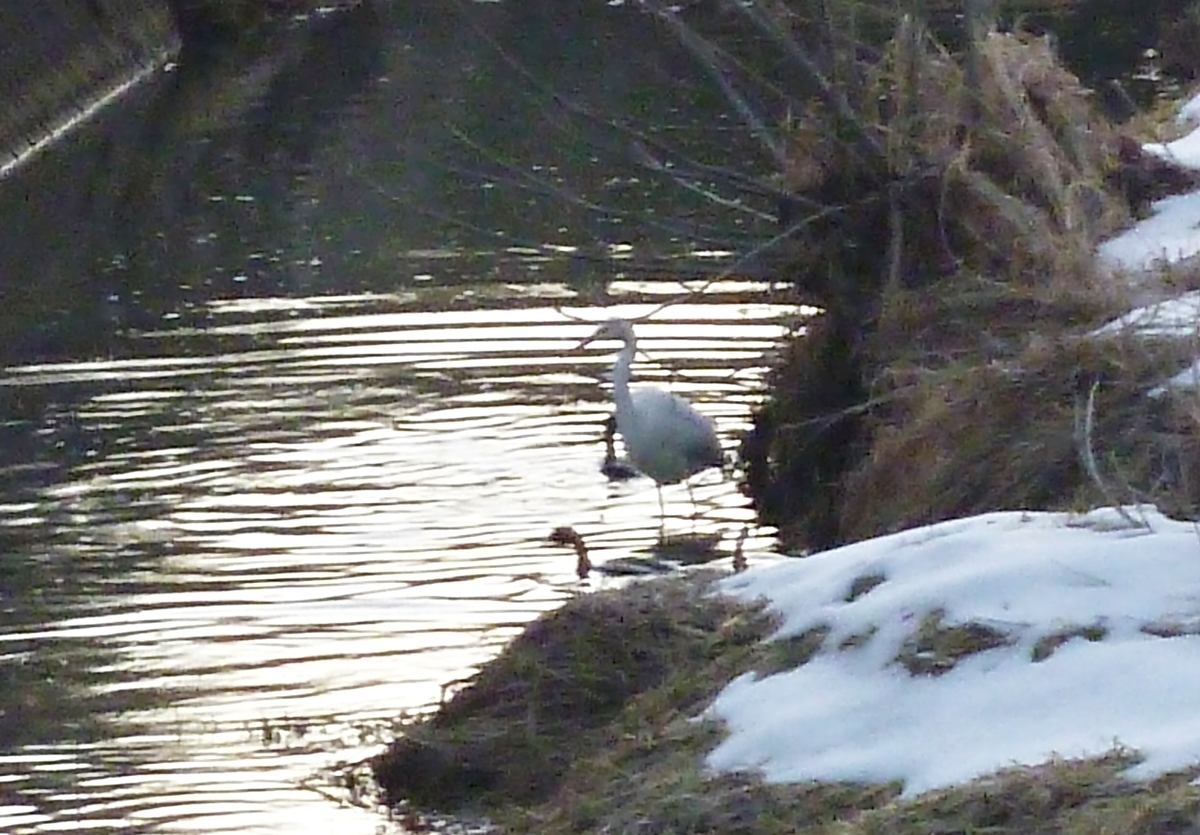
(250, 547)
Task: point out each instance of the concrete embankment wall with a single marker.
(60, 58)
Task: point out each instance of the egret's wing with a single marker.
(671, 420)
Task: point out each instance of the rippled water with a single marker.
(288, 406)
(235, 554)
(297, 408)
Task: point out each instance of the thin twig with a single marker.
(708, 194)
(685, 166)
(977, 19)
(832, 97)
(550, 189)
(708, 57)
(896, 243)
(625, 130)
(1084, 424)
(739, 555)
(745, 257)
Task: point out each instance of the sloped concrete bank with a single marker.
(62, 59)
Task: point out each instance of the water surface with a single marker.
(238, 554)
(289, 406)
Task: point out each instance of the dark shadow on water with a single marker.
(689, 548)
(187, 190)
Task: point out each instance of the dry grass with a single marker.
(1023, 194)
(1063, 797)
(555, 690)
(647, 776)
(1047, 645)
(952, 355)
(638, 768)
(936, 646)
(973, 437)
(633, 761)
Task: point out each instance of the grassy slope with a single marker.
(636, 764)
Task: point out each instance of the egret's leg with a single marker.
(662, 514)
(695, 511)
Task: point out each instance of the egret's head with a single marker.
(617, 329)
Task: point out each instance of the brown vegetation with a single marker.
(944, 214)
(957, 276)
(592, 721)
(555, 691)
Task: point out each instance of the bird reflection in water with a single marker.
(614, 468)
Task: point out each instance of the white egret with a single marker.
(666, 438)
(614, 468)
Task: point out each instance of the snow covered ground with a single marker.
(1177, 318)
(854, 713)
(1112, 597)
(1172, 233)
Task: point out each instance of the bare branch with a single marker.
(708, 194)
(633, 135)
(523, 179)
(1084, 423)
(708, 57)
(833, 98)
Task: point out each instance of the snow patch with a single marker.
(855, 714)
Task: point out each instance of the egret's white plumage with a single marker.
(665, 437)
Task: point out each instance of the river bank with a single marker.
(868, 689)
(68, 61)
(976, 353)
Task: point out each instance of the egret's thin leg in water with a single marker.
(695, 510)
(662, 515)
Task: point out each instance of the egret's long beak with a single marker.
(583, 344)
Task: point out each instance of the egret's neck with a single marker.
(620, 377)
